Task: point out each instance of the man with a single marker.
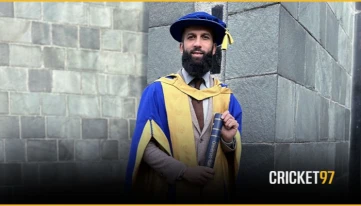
(174, 123)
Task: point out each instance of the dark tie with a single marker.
(198, 104)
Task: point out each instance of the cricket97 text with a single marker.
(301, 177)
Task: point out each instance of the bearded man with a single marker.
(174, 123)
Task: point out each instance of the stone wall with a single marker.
(71, 75)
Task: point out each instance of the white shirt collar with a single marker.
(188, 78)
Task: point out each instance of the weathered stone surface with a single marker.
(13, 79)
(6, 9)
(40, 33)
(31, 174)
(56, 174)
(15, 150)
(348, 91)
(135, 42)
(129, 108)
(63, 127)
(161, 14)
(291, 48)
(234, 7)
(342, 158)
(95, 12)
(71, 13)
(115, 62)
(9, 127)
(322, 113)
(95, 129)
(285, 110)
(66, 150)
(54, 58)
(344, 50)
(4, 103)
(112, 40)
(141, 62)
(282, 157)
(40, 80)
(131, 20)
(291, 7)
(258, 100)
(66, 82)
(310, 62)
(64, 35)
(255, 50)
(4, 54)
(323, 72)
(33, 127)
(25, 56)
(85, 106)
(112, 106)
(131, 127)
(41, 150)
(309, 16)
(110, 150)
(88, 83)
(118, 129)
(10, 174)
(28, 10)
(332, 33)
(306, 119)
(159, 64)
(87, 150)
(336, 122)
(138, 85)
(82, 59)
(19, 31)
(89, 38)
(23, 103)
(337, 9)
(113, 85)
(133, 5)
(347, 124)
(53, 104)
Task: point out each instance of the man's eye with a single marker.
(205, 37)
(190, 37)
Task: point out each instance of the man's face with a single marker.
(197, 50)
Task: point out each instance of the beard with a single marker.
(197, 67)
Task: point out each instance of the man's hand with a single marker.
(198, 175)
(230, 126)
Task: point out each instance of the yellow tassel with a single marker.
(227, 39)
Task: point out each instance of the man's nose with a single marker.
(197, 42)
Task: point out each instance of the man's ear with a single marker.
(181, 48)
(214, 48)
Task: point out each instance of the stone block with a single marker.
(348, 91)
(84, 60)
(129, 108)
(112, 40)
(323, 72)
(344, 50)
(306, 120)
(88, 83)
(53, 104)
(291, 48)
(113, 85)
(336, 122)
(89, 38)
(9, 127)
(257, 97)
(112, 106)
(322, 113)
(337, 9)
(25, 103)
(56, 174)
(161, 14)
(130, 20)
(70, 13)
(95, 129)
(54, 58)
(19, 31)
(4, 53)
(30, 174)
(124, 149)
(141, 62)
(15, 150)
(347, 124)
(336, 82)
(285, 110)
(64, 35)
(313, 156)
(110, 150)
(25, 56)
(343, 89)
(255, 50)
(13, 79)
(309, 17)
(85, 106)
(323, 26)
(4, 103)
(282, 157)
(236, 7)
(291, 7)
(346, 19)
(28, 10)
(6, 9)
(342, 158)
(32, 127)
(87, 150)
(133, 5)
(66, 82)
(10, 174)
(40, 80)
(331, 33)
(63, 127)
(2, 151)
(131, 127)
(41, 150)
(158, 64)
(40, 33)
(66, 150)
(115, 62)
(95, 12)
(310, 62)
(118, 129)
(135, 42)
(138, 85)
(94, 173)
